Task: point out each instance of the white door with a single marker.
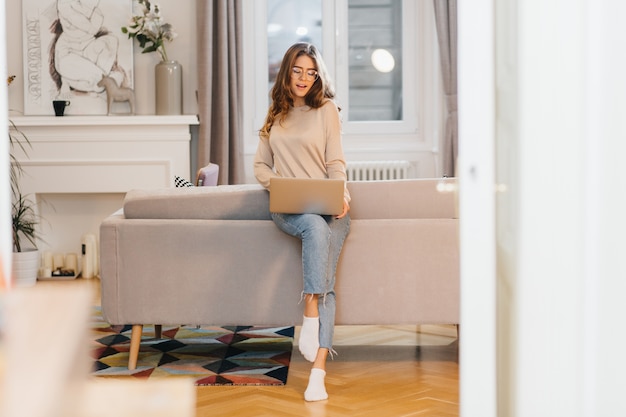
(542, 267)
(477, 208)
(6, 245)
(520, 113)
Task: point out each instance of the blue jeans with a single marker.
(322, 239)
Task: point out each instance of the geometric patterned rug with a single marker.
(241, 355)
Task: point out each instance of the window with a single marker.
(374, 60)
(382, 56)
(371, 86)
(288, 22)
(376, 65)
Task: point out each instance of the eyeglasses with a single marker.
(297, 72)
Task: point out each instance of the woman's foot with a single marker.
(309, 343)
(316, 390)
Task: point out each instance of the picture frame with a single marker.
(68, 45)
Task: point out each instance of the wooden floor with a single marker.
(389, 371)
(367, 380)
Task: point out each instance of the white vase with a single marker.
(168, 78)
(25, 267)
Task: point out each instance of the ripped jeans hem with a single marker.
(303, 295)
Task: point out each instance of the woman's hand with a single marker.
(346, 209)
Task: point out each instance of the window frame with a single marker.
(416, 138)
(408, 124)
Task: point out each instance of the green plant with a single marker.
(16, 139)
(150, 30)
(23, 216)
(24, 220)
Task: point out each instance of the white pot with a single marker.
(25, 267)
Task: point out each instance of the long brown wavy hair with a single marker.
(282, 97)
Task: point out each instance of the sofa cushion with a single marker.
(402, 199)
(394, 199)
(223, 202)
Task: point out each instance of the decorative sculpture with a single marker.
(116, 93)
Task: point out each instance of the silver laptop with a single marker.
(306, 195)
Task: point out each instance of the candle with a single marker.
(71, 262)
(58, 261)
(47, 259)
(89, 255)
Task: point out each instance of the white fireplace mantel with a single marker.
(78, 168)
(103, 154)
(112, 120)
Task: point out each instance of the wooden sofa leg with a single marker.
(158, 329)
(135, 343)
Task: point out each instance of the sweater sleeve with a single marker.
(335, 160)
(264, 162)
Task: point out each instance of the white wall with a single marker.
(181, 14)
(546, 177)
(605, 228)
(423, 150)
(81, 214)
(560, 141)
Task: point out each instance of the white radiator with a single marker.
(377, 170)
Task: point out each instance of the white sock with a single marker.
(316, 391)
(309, 341)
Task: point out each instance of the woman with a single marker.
(301, 138)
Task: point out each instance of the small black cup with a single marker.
(59, 106)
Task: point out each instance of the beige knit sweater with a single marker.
(307, 144)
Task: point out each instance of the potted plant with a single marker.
(24, 218)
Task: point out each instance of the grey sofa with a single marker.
(212, 255)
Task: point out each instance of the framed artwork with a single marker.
(69, 45)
